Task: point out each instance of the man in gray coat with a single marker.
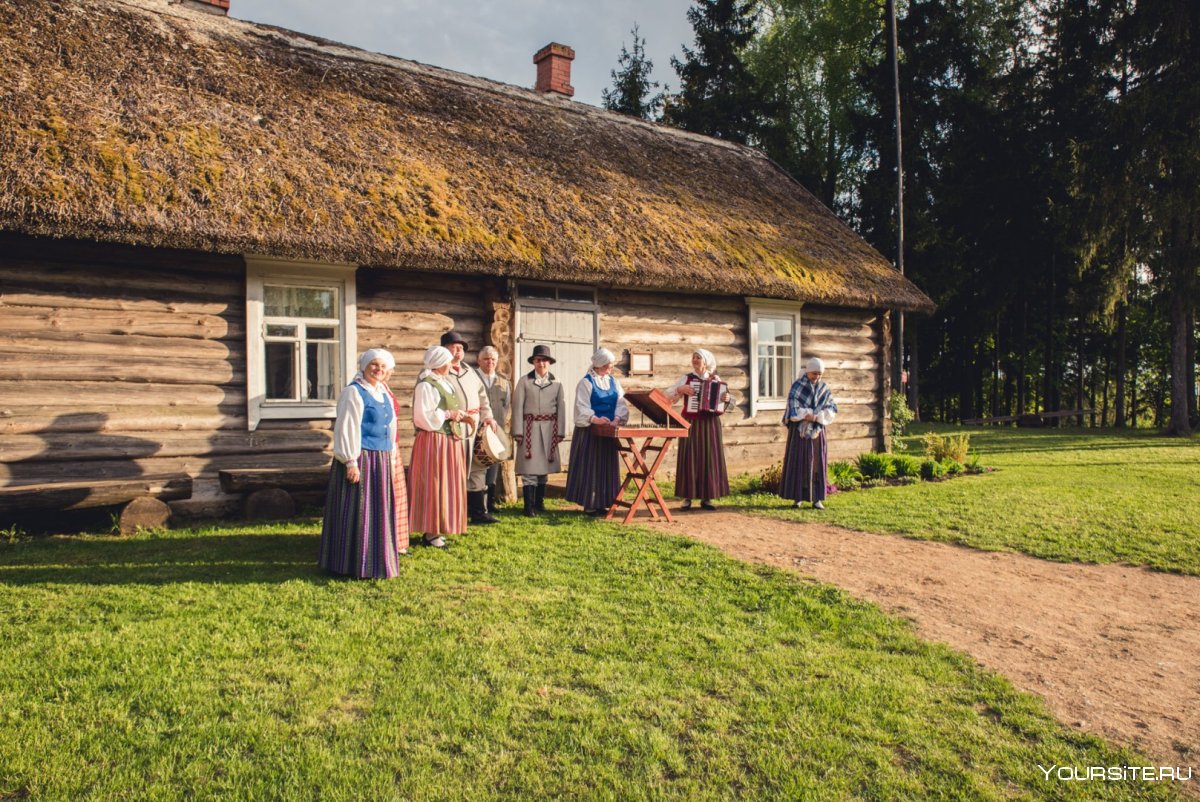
(539, 425)
(499, 393)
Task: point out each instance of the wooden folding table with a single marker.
(654, 440)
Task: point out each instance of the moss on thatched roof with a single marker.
(144, 122)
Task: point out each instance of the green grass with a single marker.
(562, 659)
(1067, 495)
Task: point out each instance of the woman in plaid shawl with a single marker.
(810, 409)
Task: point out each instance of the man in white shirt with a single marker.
(472, 394)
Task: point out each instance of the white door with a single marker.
(568, 327)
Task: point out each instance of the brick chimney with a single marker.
(554, 69)
(211, 6)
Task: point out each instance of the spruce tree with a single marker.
(718, 94)
(632, 87)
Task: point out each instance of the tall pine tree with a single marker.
(718, 95)
(632, 88)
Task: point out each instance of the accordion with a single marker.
(707, 395)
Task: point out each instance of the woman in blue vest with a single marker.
(358, 537)
(594, 475)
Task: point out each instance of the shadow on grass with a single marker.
(225, 559)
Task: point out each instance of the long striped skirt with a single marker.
(700, 470)
(358, 537)
(805, 467)
(400, 492)
(438, 502)
(594, 475)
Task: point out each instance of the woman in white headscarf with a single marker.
(594, 474)
(810, 408)
(438, 466)
(358, 536)
(700, 470)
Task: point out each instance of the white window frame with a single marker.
(771, 308)
(263, 270)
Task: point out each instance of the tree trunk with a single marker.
(914, 374)
(1119, 401)
(1022, 349)
(1133, 380)
(1104, 401)
(1190, 366)
(1180, 372)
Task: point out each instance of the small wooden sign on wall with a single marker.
(641, 363)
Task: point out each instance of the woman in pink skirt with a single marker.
(439, 470)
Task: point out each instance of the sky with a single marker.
(493, 39)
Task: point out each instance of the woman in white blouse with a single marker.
(438, 465)
(700, 470)
(358, 536)
(594, 473)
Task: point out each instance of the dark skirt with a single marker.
(594, 475)
(700, 470)
(358, 537)
(805, 467)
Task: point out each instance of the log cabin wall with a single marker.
(123, 362)
(406, 313)
(672, 326)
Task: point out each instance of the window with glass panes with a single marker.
(302, 342)
(776, 355)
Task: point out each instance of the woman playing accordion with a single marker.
(700, 470)
(810, 409)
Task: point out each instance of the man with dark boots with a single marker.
(539, 422)
(499, 393)
(473, 397)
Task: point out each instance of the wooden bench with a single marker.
(272, 493)
(144, 498)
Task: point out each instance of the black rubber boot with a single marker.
(530, 496)
(477, 509)
(540, 498)
(492, 506)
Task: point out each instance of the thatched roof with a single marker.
(145, 122)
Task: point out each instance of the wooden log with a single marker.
(611, 298)
(34, 419)
(56, 447)
(144, 512)
(198, 467)
(248, 480)
(116, 347)
(94, 493)
(19, 365)
(18, 295)
(117, 393)
(90, 321)
(123, 282)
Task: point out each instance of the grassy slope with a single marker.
(563, 659)
(1060, 495)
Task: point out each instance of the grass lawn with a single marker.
(1101, 497)
(562, 659)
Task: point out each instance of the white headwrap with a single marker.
(603, 357)
(710, 361)
(436, 356)
(371, 354)
(814, 366)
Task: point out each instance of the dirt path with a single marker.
(1113, 650)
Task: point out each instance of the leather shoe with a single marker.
(438, 542)
(818, 505)
(686, 505)
(707, 505)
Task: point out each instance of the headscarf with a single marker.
(603, 357)
(710, 361)
(371, 354)
(436, 356)
(814, 366)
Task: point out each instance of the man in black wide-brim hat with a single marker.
(473, 396)
(539, 423)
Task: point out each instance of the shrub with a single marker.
(876, 466)
(901, 416)
(769, 480)
(906, 466)
(932, 469)
(953, 467)
(973, 465)
(950, 446)
(844, 476)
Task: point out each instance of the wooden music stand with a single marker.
(639, 473)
